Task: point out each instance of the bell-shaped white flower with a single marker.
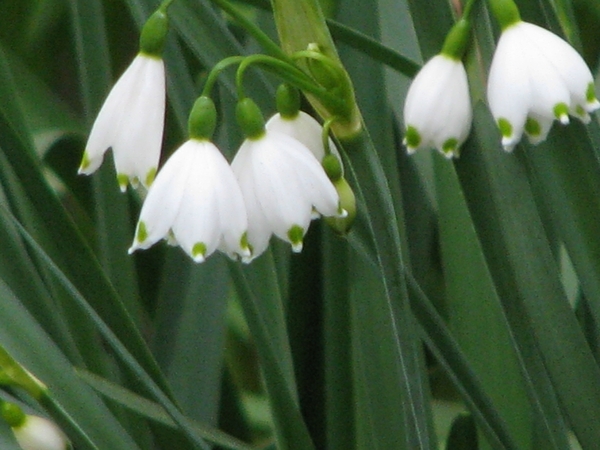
(535, 78)
(304, 128)
(195, 202)
(131, 122)
(38, 433)
(281, 182)
(437, 111)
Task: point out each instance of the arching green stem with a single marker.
(325, 134)
(216, 71)
(289, 73)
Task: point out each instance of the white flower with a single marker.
(281, 182)
(304, 128)
(437, 111)
(37, 433)
(195, 202)
(537, 77)
(131, 121)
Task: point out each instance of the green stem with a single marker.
(216, 71)
(289, 73)
(165, 4)
(265, 41)
(325, 134)
(468, 8)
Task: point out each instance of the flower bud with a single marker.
(288, 101)
(457, 40)
(342, 225)
(203, 119)
(250, 119)
(325, 75)
(333, 167)
(506, 12)
(154, 34)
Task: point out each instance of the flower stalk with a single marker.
(300, 25)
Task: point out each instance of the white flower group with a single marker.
(203, 204)
(535, 78)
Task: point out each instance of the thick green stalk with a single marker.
(308, 26)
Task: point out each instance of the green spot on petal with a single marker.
(244, 244)
(122, 179)
(85, 161)
(150, 176)
(412, 138)
(590, 93)
(199, 249)
(506, 129)
(295, 235)
(142, 232)
(580, 111)
(561, 110)
(533, 127)
(450, 145)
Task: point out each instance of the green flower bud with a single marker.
(154, 34)
(342, 225)
(323, 73)
(333, 167)
(12, 414)
(288, 101)
(250, 119)
(457, 40)
(203, 119)
(506, 12)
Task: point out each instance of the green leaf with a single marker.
(263, 307)
(525, 274)
(24, 339)
(154, 411)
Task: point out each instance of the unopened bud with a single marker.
(342, 225)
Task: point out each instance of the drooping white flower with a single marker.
(304, 128)
(195, 202)
(281, 182)
(38, 433)
(437, 111)
(131, 122)
(535, 78)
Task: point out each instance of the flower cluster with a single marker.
(275, 185)
(203, 204)
(535, 78)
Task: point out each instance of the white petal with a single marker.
(259, 231)
(164, 198)
(568, 63)
(138, 142)
(303, 128)
(232, 212)
(509, 90)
